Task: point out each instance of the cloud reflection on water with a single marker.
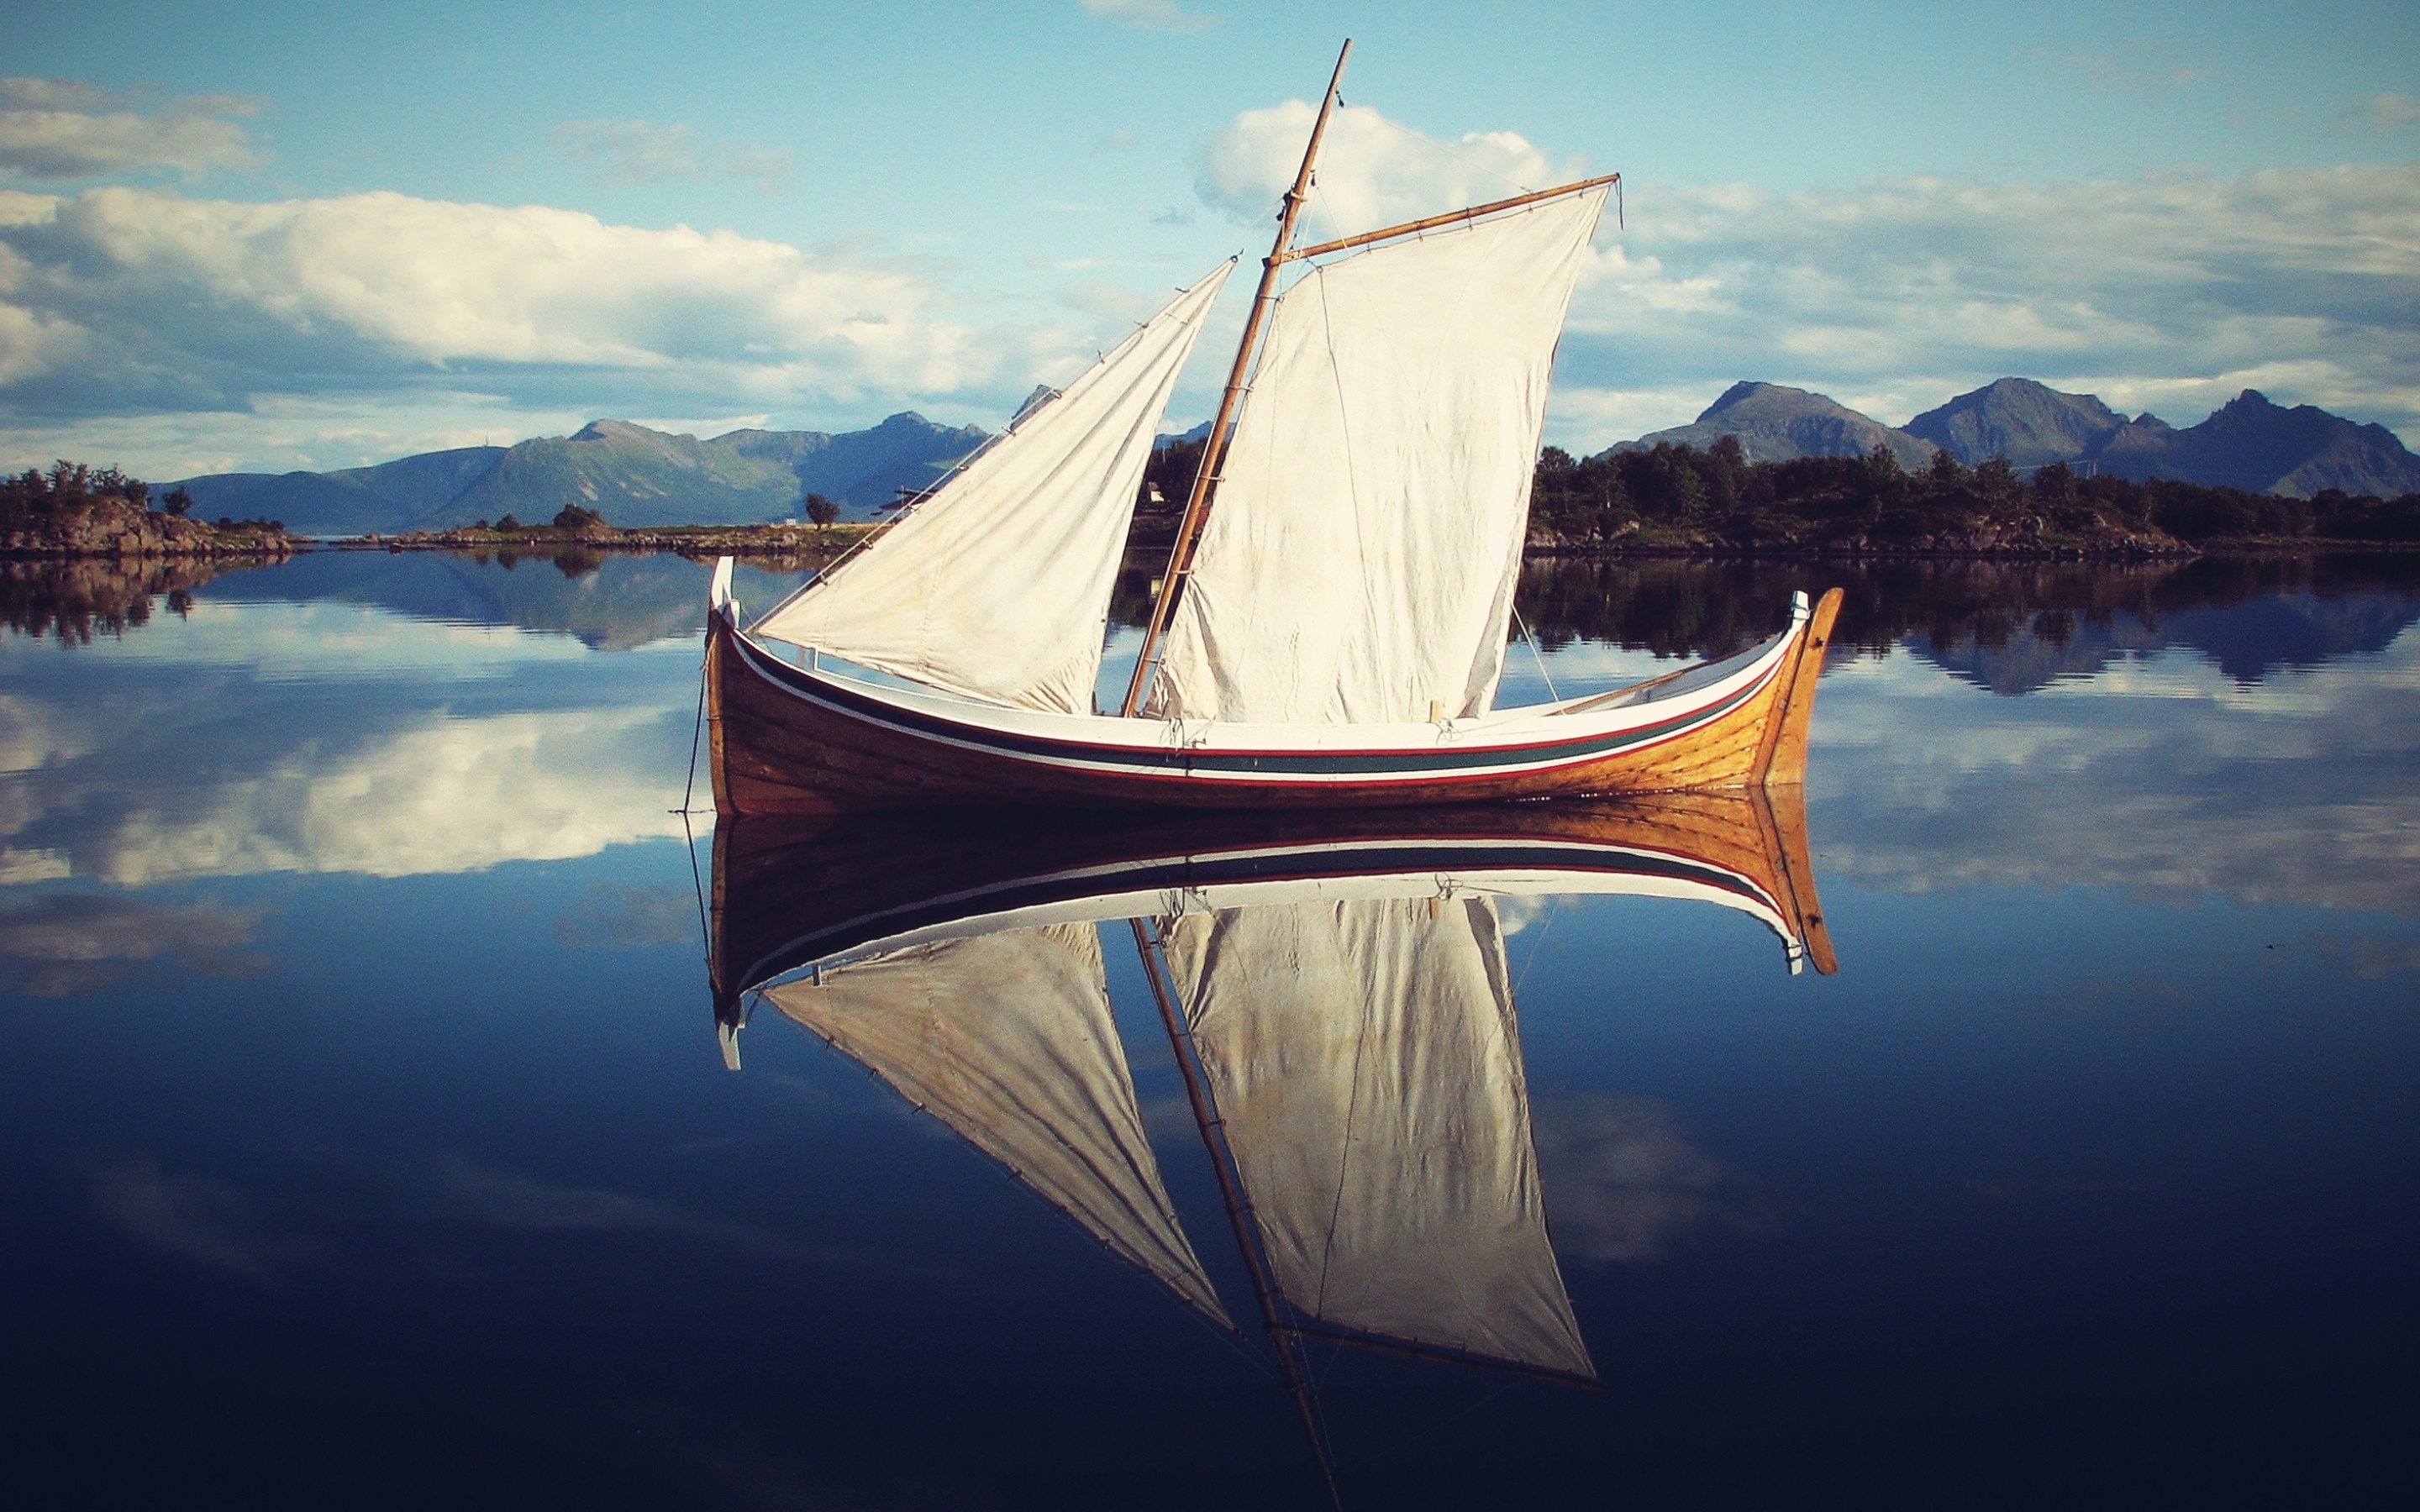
(1623, 1185)
(63, 944)
(2162, 776)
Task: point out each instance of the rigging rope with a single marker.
(1541, 656)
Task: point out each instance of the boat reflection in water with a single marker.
(1334, 987)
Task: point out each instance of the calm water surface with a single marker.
(367, 1141)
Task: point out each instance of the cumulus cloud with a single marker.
(120, 301)
(1149, 15)
(641, 152)
(2173, 292)
(1372, 171)
(65, 945)
(67, 129)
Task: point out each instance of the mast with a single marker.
(1189, 528)
(1287, 1339)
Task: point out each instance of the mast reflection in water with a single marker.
(1336, 993)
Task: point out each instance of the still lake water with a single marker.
(367, 1141)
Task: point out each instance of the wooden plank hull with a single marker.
(787, 740)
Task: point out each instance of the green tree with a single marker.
(822, 511)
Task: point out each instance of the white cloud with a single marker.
(67, 128)
(640, 152)
(1372, 171)
(1149, 15)
(2179, 290)
(2176, 291)
(120, 301)
(2377, 115)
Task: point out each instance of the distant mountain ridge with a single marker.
(2249, 443)
(631, 474)
(1777, 424)
(2030, 424)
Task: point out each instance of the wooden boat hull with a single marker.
(783, 739)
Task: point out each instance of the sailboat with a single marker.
(1332, 627)
(1336, 992)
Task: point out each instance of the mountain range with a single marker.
(627, 474)
(2249, 443)
(634, 476)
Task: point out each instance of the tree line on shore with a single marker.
(68, 493)
(1667, 497)
(1677, 495)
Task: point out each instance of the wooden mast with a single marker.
(1189, 528)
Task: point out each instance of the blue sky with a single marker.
(267, 236)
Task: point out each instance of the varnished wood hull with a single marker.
(785, 740)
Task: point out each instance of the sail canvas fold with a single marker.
(1358, 564)
(998, 587)
(1364, 1057)
(1007, 1039)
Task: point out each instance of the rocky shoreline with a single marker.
(106, 526)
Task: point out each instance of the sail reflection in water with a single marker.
(1335, 987)
(1363, 1054)
(1007, 1039)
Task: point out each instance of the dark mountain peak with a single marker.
(1749, 399)
(1043, 393)
(1738, 394)
(2254, 444)
(2028, 423)
(1776, 423)
(608, 430)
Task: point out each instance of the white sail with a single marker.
(1358, 564)
(1364, 1057)
(1007, 1039)
(998, 587)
